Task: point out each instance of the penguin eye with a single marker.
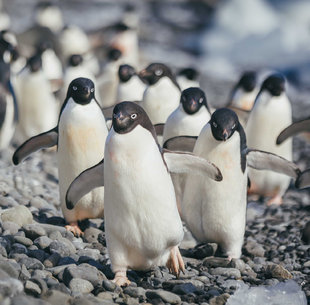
(133, 116)
(214, 124)
(74, 88)
(158, 72)
(200, 100)
(92, 89)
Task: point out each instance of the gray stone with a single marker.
(18, 248)
(220, 300)
(84, 271)
(90, 253)
(10, 226)
(27, 300)
(52, 260)
(42, 242)
(185, 288)
(32, 288)
(63, 247)
(31, 263)
(23, 240)
(19, 214)
(91, 235)
(56, 297)
(78, 286)
(108, 285)
(228, 272)
(33, 231)
(238, 264)
(105, 296)
(166, 296)
(38, 254)
(135, 292)
(10, 287)
(24, 274)
(216, 262)
(39, 203)
(11, 268)
(254, 249)
(278, 271)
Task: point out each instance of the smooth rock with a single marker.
(42, 242)
(185, 288)
(278, 272)
(78, 285)
(33, 231)
(56, 297)
(216, 262)
(166, 296)
(63, 247)
(228, 272)
(31, 263)
(255, 249)
(52, 260)
(32, 288)
(23, 240)
(10, 226)
(19, 214)
(10, 287)
(135, 292)
(219, 300)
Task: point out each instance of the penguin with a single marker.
(216, 212)
(38, 107)
(162, 95)
(190, 117)
(243, 95)
(108, 80)
(8, 106)
(272, 112)
(293, 129)
(142, 225)
(188, 77)
(130, 86)
(80, 136)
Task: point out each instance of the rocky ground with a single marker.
(42, 263)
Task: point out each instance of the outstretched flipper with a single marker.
(43, 140)
(184, 163)
(84, 183)
(181, 143)
(159, 128)
(303, 179)
(293, 129)
(265, 160)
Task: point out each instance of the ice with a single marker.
(284, 293)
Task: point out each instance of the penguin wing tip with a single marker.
(219, 176)
(15, 159)
(69, 204)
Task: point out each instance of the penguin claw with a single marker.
(175, 262)
(276, 200)
(75, 229)
(121, 279)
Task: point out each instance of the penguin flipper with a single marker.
(2, 108)
(180, 162)
(43, 140)
(159, 128)
(181, 143)
(293, 129)
(265, 160)
(303, 179)
(84, 183)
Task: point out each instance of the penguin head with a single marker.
(127, 115)
(192, 99)
(247, 81)
(75, 60)
(189, 73)
(224, 122)
(35, 63)
(274, 84)
(154, 72)
(114, 54)
(82, 90)
(125, 72)
(44, 45)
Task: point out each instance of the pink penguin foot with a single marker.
(121, 279)
(74, 228)
(175, 262)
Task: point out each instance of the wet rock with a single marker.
(166, 296)
(19, 214)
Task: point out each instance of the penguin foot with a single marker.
(175, 262)
(277, 200)
(121, 279)
(74, 228)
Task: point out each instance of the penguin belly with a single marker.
(130, 91)
(142, 221)
(8, 127)
(215, 211)
(82, 134)
(264, 125)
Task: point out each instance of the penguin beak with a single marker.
(225, 134)
(146, 76)
(86, 91)
(192, 105)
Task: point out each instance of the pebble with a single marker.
(278, 272)
(33, 231)
(32, 288)
(255, 249)
(19, 214)
(79, 286)
(228, 272)
(165, 296)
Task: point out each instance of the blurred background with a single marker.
(221, 38)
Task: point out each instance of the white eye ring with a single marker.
(214, 124)
(74, 88)
(92, 89)
(200, 100)
(133, 116)
(158, 72)
(233, 126)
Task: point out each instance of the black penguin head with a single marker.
(154, 72)
(125, 72)
(274, 84)
(82, 90)
(44, 45)
(189, 73)
(127, 115)
(247, 81)
(35, 63)
(192, 99)
(114, 54)
(75, 60)
(224, 122)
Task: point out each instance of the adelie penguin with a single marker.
(272, 112)
(142, 224)
(80, 136)
(130, 86)
(243, 95)
(215, 212)
(187, 78)
(162, 94)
